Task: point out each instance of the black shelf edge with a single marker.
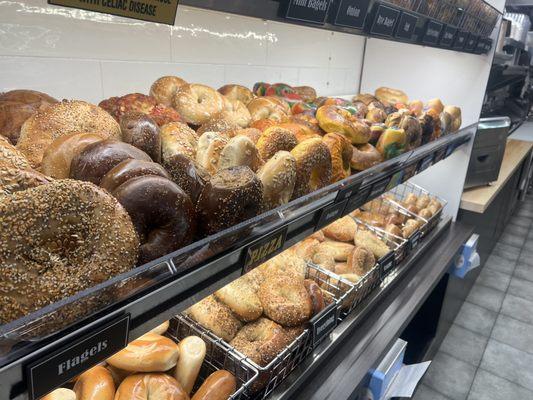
(177, 293)
(340, 363)
(276, 10)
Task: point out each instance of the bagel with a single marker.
(416, 107)
(364, 98)
(365, 156)
(261, 341)
(150, 353)
(285, 300)
(162, 213)
(391, 96)
(239, 151)
(342, 230)
(236, 112)
(237, 92)
(392, 143)
(338, 250)
(12, 157)
(285, 264)
(315, 293)
(58, 156)
(128, 169)
(307, 93)
(306, 248)
(150, 387)
(95, 384)
(336, 119)
(59, 119)
(187, 174)
(251, 133)
(197, 103)
(221, 384)
(218, 124)
(241, 298)
(210, 146)
(164, 89)
(98, 158)
(360, 261)
(216, 317)
(435, 104)
(376, 115)
(82, 218)
(60, 394)
(141, 131)
(413, 131)
(325, 260)
(178, 138)
(301, 129)
(232, 195)
(16, 106)
(267, 108)
(15, 180)
(371, 242)
(313, 166)
(455, 113)
(341, 152)
(278, 176)
(274, 139)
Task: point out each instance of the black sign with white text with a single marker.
(406, 26)
(414, 240)
(471, 42)
(460, 40)
(432, 32)
(385, 20)
(379, 187)
(448, 35)
(314, 11)
(387, 263)
(324, 323)
(82, 353)
(263, 249)
(352, 13)
(330, 213)
(348, 191)
(357, 200)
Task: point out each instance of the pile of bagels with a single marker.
(153, 367)
(89, 192)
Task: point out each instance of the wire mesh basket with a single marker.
(217, 356)
(406, 193)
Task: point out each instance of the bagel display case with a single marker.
(138, 162)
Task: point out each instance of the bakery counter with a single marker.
(340, 363)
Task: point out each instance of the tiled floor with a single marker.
(488, 352)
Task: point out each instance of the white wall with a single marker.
(79, 54)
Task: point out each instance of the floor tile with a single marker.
(516, 230)
(518, 308)
(450, 376)
(517, 220)
(528, 245)
(486, 297)
(494, 279)
(509, 363)
(512, 240)
(505, 251)
(514, 333)
(526, 257)
(521, 288)
(476, 318)
(524, 271)
(488, 386)
(424, 392)
(500, 264)
(523, 212)
(464, 345)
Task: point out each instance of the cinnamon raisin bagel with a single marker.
(59, 119)
(278, 176)
(197, 103)
(232, 195)
(162, 213)
(285, 300)
(58, 239)
(341, 151)
(164, 89)
(274, 139)
(313, 166)
(261, 341)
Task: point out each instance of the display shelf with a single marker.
(337, 366)
(372, 18)
(192, 275)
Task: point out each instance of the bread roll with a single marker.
(192, 353)
(150, 387)
(150, 353)
(370, 241)
(60, 394)
(220, 385)
(162, 328)
(95, 384)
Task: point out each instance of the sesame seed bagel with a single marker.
(278, 176)
(313, 166)
(274, 139)
(43, 127)
(58, 239)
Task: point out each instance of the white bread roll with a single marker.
(60, 394)
(160, 329)
(192, 353)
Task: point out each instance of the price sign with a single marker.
(263, 249)
(162, 11)
(357, 200)
(379, 187)
(79, 355)
(414, 240)
(352, 13)
(314, 11)
(386, 264)
(324, 323)
(448, 35)
(406, 26)
(431, 33)
(330, 213)
(385, 20)
(471, 42)
(348, 191)
(460, 40)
